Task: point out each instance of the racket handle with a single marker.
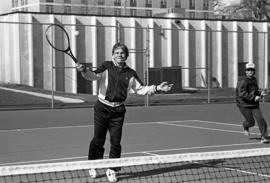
(73, 58)
(80, 67)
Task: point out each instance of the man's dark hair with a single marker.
(122, 46)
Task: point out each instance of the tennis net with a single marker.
(246, 165)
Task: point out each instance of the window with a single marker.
(133, 12)
(148, 3)
(84, 1)
(117, 12)
(15, 3)
(192, 15)
(192, 4)
(148, 13)
(117, 2)
(101, 2)
(133, 3)
(67, 1)
(49, 8)
(67, 9)
(178, 3)
(84, 10)
(205, 4)
(206, 15)
(163, 3)
(101, 11)
(24, 3)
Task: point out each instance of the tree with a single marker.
(242, 9)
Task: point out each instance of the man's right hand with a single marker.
(80, 67)
(264, 92)
(257, 98)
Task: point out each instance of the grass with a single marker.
(13, 100)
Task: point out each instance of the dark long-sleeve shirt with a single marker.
(246, 91)
(116, 82)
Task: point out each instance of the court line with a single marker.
(220, 123)
(148, 153)
(213, 122)
(126, 124)
(152, 152)
(246, 172)
(234, 169)
(83, 126)
(46, 128)
(60, 98)
(205, 147)
(204, 128)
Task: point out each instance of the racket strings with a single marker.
(58, 38)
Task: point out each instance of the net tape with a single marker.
(132, 161)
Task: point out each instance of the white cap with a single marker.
(250, 66)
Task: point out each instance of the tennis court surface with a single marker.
(200, 143)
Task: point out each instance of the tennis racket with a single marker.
(59, 46)
(264, 92)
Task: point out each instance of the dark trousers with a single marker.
(110, 119)
(249, 114)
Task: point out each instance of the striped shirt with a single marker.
(116, 82)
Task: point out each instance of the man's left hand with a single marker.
(164, 86)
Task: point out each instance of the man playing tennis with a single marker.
(248, 97)
(116, 80)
